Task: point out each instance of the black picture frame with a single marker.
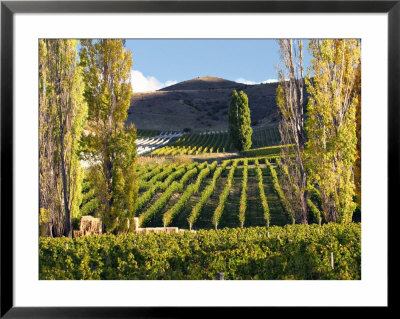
(9, 8)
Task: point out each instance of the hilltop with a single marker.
(203, 83)
(201, 104)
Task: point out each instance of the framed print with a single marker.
(160, 158)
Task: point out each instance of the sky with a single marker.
(162, 62)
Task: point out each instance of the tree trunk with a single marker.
(67, 229)
(291, 104)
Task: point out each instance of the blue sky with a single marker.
(162, 62)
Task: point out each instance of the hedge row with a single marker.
(291, 252)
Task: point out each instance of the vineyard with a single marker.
(206, 178)
(232, 213)
(241, 192)
(331, 251)
(197, 143)
(147, 133)
(150, 140)
(266, 136)
(168, 143)
(240, 224)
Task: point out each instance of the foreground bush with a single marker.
(290, 252)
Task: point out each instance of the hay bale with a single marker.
(157, 230)
(77, 233)
(136, 221)
(171, 230)
(89, 225)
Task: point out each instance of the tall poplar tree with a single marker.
(108, 144)
(239, 120)
(290, 100)
(62, 114)
(331, 124)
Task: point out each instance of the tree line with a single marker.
(321, 117)
(83, 101)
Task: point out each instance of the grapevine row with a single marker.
(261, 192)
(193, 188)
(193, 144)
(285, 204)
(147, 195)
(146, 216)
(89, 202)
(243, 195)
(206, 194)
(151, 173)
(160, 176)
(223, 196)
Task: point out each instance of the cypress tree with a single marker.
(240, 129)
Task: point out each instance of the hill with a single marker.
(200, 104)
(203, 83)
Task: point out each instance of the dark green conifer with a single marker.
(240, 129)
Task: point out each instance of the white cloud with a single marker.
(244, 81)
(169, 83)
(271, 81)
(142, 83)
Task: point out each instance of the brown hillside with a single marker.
(200, 104)
(203, 83)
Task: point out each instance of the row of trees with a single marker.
(321, 125)
(83, 103)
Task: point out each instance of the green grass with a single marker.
(264, 151)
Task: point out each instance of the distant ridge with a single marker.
(203, 83)
(200, 104)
